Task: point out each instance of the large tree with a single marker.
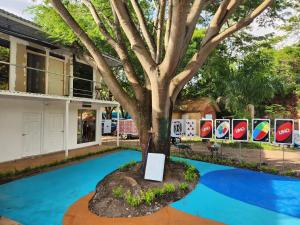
(157, 35)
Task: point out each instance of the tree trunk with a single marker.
(161, 119)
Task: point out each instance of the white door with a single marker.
(54, 132)
(31, 133)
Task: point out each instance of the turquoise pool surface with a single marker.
(225, 194)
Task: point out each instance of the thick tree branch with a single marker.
(159, 29)
(120, 50)
(225, 10)
(242, 23)
(199, 58)
(192, 19)
(137, 43)
(177, 34)
(168, 25)
(141, 18)
(107, 74)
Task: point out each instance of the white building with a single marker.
(49, 98)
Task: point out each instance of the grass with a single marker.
(241, 164)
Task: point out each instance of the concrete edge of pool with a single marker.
(79, 214)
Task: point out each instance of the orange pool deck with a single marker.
(79, 214)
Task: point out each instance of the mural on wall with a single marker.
(177, 128)
(206, 129)
(284, 131)
(190, 128)
(239, 130)
(261, 130)
(222, 129)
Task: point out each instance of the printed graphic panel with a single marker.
(284, 131)
(222, 129)
(206, 129)
(190, 128)
(240, 130)
(177, 128)
(261, 129)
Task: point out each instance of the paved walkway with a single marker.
(78, 214)
(225, 194)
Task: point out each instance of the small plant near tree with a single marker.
(149, 196)
(128, 165)
(168, 188)
(190, 174)
(133, 200)
(183, 186)
(118, 191)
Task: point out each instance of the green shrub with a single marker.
(133, 200)
(149, 196)
(168, 188)
(183, 186)
(118, 191)
(190, 175)
(128, 165)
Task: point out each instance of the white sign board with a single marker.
(297, 138)
(177, 128)
(107, 127)
(190, 128)
(155, 167)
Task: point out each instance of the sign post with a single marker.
(284, 135)
(222, 131)
(261, 133)
(240, 132)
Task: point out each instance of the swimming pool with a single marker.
(225, 194)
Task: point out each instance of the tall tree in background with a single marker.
(157, 38)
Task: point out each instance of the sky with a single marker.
(18, 7)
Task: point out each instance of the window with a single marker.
(4, 64)
(86, 131)
(36, 72)
(83, 80)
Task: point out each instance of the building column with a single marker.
(66, 131)
(12, 66)
(99, 127)
(47, 72)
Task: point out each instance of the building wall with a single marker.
(12, 113)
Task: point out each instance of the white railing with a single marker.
(66, 80)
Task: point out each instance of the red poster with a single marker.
(240, 129)
(206, 129)
(284, 131)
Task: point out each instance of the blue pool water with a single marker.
(226, 194)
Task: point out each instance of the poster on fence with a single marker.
(239, 130)
(177, 128)
(206, 129)
(127, 127)
(261, 129)
(222, 129)
(190, 128)
(284, 131)
(106, 126)
(297, 139)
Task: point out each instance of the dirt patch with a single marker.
(111, 197)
